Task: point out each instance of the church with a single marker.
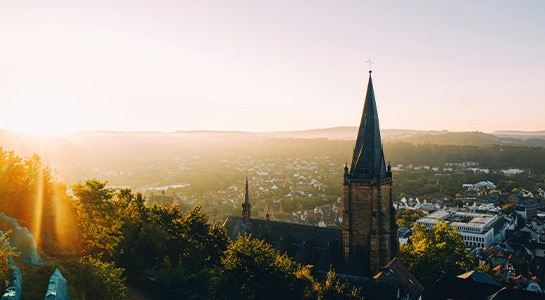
(366, 248)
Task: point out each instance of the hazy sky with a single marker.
(270, 65)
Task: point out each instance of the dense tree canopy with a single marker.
(252, 269)
(99, 222)
(30, 193)
(435, 252)
(407, 217)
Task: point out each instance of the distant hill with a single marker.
(522, 138)
(144, 158)
(346, 133)
(102, 141)
(477, 139)
(455, 138)
(513, 133)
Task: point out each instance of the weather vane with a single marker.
(370, 63)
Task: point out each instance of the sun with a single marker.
(41, 109)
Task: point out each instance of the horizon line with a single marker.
(264, 131)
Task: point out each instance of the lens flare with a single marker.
(38, 205)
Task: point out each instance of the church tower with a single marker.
(369, 229)
(246, 206)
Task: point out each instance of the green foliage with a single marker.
(252, 269)
(88, 278)
(15, 187)
(490, 156)
(39, 277)
(407, 217)
(148, 248)
(99, 222)
(30, 194)
(334, 288)
(5, 252)
(204, 242)
(435, 252)
(176, 282)
(162, 231)
(493, 156)
(107, 281)
(181, 251)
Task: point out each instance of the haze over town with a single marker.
(270, 66)
(180, 149)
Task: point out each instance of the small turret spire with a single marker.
(246, 206)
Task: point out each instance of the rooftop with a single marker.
(458, 219)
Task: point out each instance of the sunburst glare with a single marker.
(42, 109)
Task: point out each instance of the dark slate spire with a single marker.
(368, 157)
(246, 197)
(246, 206)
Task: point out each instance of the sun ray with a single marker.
(38, 202)
(63, 223)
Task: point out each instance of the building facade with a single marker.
(477, 229)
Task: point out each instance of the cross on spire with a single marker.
(370, 63)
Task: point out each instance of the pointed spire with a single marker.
(368, 157)
(246, 197)
(246, 206)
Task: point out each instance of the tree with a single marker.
(181, 251)
(334, 288)
(193, 247)
(148, 249)
(252, 269)
(109, 282)
(87, 278)
(31, 194)
(5, 252)
(435, 252)
(99, 223)
(407, 217)
(203, 242)
(176, 282)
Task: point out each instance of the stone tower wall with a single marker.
(367, 224)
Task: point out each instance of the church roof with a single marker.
(317, 246)
(474, 286)
(368, 157)
(396, 271)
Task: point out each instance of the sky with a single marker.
(264, 66)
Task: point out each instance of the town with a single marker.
(497, 208)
